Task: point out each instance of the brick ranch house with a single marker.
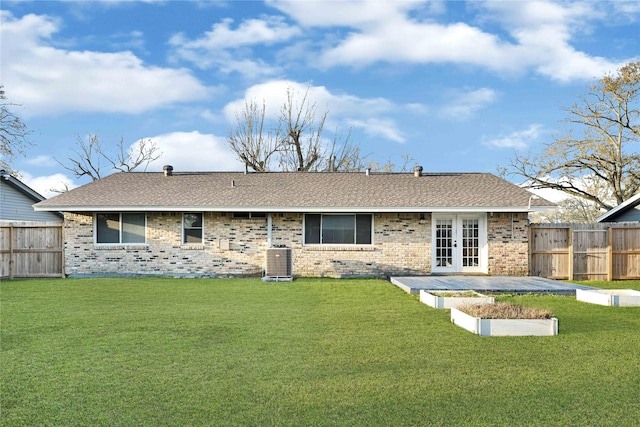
(336, 224)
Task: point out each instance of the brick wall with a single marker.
(401, 247)
(164, 254)
(508, 240)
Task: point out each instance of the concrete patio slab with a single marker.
(486, 284)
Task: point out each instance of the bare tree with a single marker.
(294, 143)
(569, 210)
(576, 209)
(253, 144)
(301, 147)
(13, 134)
(343, 156)
(609, 119)
(407, 162)
(91, 159)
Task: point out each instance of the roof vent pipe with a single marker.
(168, 170)
(367, 171)
(417, 171)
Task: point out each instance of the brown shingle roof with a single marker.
(295, 191)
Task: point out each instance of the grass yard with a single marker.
(314, 352)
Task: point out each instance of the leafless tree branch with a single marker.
(14, 134)
(608, 117)
(89, 156)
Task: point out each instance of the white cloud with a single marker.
(461, 105)
(46, 184)
(41, 160)
(539, 35)
(229, 49)
(628, 9)
(50, 80)
(266, 31)
(251, 69)
(371, 114)
(407, 41)
(383, 31)
(275, 92)
(544, 31)
(379, 127)
(519, 140)
(344, 13)
(194, 151)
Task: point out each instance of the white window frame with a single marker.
(119, 242)
(304, 231)
(182, 227)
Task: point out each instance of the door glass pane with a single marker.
(470, 243)
(108, 228)
(133, 228)
(338, 229)
(444, 243)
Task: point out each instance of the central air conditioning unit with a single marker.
(278, 265)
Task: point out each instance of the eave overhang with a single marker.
(295, 209)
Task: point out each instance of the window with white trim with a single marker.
(338, 229)
(192, 228)
(121, 228)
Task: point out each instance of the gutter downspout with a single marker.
(269, 231)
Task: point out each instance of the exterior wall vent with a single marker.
(278, 265)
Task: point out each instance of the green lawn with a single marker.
(149, 352)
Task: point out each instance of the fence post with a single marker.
(62, 267)
(11, 260)
(570, 255)
(610, 254)
(530, 248)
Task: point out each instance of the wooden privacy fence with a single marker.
(608, 251)
(31, 249)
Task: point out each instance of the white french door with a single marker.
(459, 243)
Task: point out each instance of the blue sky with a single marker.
(456, 85)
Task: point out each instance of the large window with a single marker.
(192, 228)
(120, 227)
(337, 229)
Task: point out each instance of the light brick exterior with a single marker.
(508, 240)
(401, 246)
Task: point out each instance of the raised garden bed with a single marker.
(611, 297)
(498, 320)
(452, 299)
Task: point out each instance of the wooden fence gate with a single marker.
(31, 249)
(608, 251)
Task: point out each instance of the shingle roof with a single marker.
(295, 192)
(611, 215)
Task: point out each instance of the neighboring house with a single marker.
(17, 200)
(336, 224)
(629, 211)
